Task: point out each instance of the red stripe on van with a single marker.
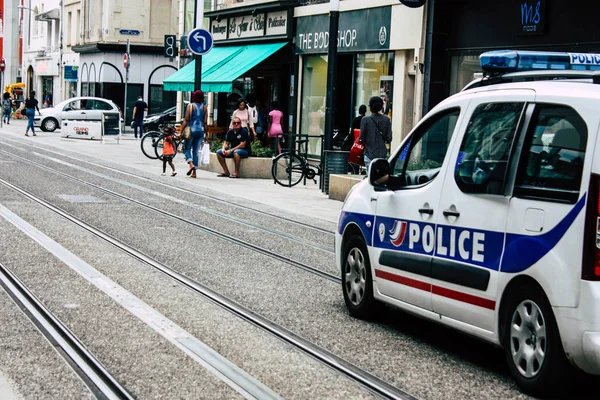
(464, 297)
(438, 290)
(403, 280)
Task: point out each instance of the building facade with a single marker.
(380, 45)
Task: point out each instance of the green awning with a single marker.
(220, 67)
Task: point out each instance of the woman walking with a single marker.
(275, 129)
(375, 132)
(195, 116)
(31, 104)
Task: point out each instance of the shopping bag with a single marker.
(357, 152)
(205, 154)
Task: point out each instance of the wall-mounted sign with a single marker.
(129, 32)
(70, 74)
(250, 26)
(532, 14)
(359, 30)
(277, 23)
(413, 3)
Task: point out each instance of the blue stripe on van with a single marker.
(360, 220)
(522, 251)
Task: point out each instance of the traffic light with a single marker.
(170, 47)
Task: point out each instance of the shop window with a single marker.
(551, 163)
(421, 158)
(374, 76)
(160, 100)
(463, 69)
(314, 93)
(485, 149)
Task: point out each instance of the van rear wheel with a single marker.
(532, 344)
(357, 280)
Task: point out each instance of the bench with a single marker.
(251, 167)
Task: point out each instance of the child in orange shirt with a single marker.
(168, 151)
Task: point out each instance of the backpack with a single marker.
(253, 114)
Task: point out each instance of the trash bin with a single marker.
(336, 162)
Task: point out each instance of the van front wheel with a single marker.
(532, 343)
(357, 281)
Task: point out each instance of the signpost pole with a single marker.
(127, 64)
(198, 57)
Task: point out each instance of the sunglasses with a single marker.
(236, 123)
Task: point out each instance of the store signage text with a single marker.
(248, 26)
(360, 30)
(532, 16)
(320, 40)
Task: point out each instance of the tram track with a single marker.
(86, 366)
(300, 265)
(362, 377)
(181, 190)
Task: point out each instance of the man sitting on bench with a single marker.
(236, 146)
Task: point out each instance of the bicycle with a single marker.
(290, 168)
(152, 143)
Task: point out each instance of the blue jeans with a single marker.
(6, 116)
(243, 153)
(30, 112)
(192, 147)
(139, 123)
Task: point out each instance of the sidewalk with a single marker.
(305, 200)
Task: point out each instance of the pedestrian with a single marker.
(31, 104)
(244, 115)
(195, 116)
(168, 150)
(275, 130)
(6, 108)
(375, 132)
(236, 146)
(138, 116)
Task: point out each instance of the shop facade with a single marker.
(463, 29)
(375, 58)
(252, 55)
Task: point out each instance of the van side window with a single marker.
(422, 156)
(553, 153)
(483, 157)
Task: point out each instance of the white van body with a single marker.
(493, 203)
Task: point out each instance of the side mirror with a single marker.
(379, 173)
(380, 178)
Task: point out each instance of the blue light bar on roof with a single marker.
(511, 61)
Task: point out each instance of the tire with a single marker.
(357, 280)
(287, 169)
(149, 143)
(49, 125)
(532, 344)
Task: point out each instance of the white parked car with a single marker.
(76, 108)
(486, 219)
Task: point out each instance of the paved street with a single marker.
(147, 305)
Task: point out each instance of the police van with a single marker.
(487, 218)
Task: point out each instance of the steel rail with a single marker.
(224, 236)
(92, 373)
(362, 377)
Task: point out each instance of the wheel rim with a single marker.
(355, 276)
(528, 338)
(49, 125)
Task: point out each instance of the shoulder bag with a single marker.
(357, 152)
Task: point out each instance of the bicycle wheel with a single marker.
(148, 144)
(288, 169)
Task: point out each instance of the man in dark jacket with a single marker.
(138, 116)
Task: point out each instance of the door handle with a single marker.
(428, 211)
(448, 213)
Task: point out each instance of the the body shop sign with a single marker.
(250, 26)
(359, 30)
